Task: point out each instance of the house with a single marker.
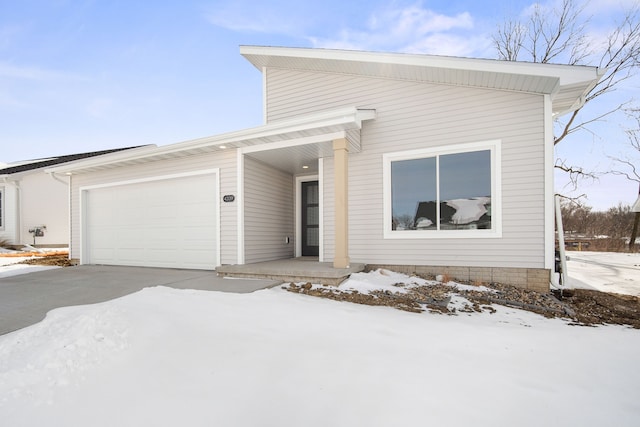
(34, 206)
(353, 144)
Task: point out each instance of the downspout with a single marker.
(68, 184)
(53, 175)
(549, 205)
(561, 248)
(18, 235)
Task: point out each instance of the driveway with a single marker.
(26, 299)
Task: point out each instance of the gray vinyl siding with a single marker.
(412, 115)
(224, 161)
(268, 212)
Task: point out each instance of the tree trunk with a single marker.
(634, 232)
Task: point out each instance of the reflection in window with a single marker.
(412, 181)
(443, 192)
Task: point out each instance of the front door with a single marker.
(310, 232)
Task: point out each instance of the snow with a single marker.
(9, 265)
(10, 259)
(167, 357)
(390, 281)
(383, 280)
(423, 223)
(17, 269)
(468, 210)
(605, 271)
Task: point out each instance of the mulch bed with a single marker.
(581, 307)
(594, 307)
(52, 260)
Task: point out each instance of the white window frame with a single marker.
(495, 148)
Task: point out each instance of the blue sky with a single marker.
(79, 76)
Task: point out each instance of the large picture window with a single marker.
(450, 192)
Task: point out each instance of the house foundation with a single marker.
(535, 279)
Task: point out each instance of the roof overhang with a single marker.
(636, 205)
(301, 137)
(567, 85)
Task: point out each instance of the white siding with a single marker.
(45, 201)
(8, 227)
(226, 163)
(413, 115)
(42, 201)
(268, 212)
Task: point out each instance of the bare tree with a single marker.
(576, 218)
(631, 169)
(560, 35)
(596, 230)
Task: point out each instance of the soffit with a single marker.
(296, 160)
(282, 135)
(484, 73)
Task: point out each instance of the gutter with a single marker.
(53, 175)
(582, 100)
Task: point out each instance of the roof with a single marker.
(567, 84)
(290, 143)
(301, 137)
(34, 164)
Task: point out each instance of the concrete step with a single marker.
(292, 270)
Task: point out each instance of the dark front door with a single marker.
(310, 205)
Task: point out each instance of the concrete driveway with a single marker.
(26, 299)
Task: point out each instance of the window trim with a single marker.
(495, 148)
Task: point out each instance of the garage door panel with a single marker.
(164, 223)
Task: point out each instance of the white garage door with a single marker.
(163, 223)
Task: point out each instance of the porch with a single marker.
(303, 269)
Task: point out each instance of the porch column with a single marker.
(341, 164)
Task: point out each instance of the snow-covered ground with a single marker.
(167, 357)
(9, 266)
(17, 269)
(605, 271)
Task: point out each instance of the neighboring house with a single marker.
(34, 205)
(354, 144)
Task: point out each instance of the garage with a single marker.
(169, 221)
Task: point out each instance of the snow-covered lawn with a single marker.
(9, 265)
(14, 269)
(166, 357)
(605, 271)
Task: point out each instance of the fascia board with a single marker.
(102, 159)
(568, 74)
(343, 116)
(340, 117)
